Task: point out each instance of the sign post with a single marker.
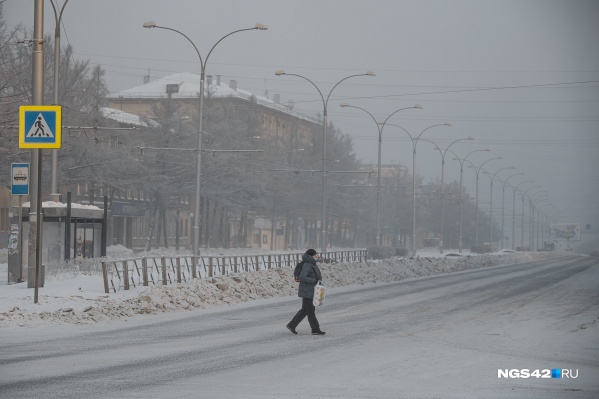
(20, 187)
(40, 126)
(37, 98)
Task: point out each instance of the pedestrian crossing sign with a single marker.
(40, 126)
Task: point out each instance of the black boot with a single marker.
(291, 328)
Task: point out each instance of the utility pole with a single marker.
(34, 250)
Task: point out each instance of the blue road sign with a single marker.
(40, 126)
(20, 179)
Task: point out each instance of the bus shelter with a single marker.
(69, 231)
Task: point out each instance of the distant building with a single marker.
(183, 89)
(135, 107)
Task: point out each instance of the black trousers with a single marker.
(308, 309)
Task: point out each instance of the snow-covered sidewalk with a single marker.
(75, 298)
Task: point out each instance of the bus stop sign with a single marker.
(20, 179)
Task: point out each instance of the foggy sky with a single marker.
(521, 77)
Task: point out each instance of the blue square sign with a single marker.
(40, 126)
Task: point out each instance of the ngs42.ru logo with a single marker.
(537, 373)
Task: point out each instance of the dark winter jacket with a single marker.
(309, 276)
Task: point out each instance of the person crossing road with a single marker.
(309, 277)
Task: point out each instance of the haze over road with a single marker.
(444, 336)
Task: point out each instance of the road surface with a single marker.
(435, 337)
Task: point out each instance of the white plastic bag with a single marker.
(318, 294)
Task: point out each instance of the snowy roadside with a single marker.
(72, 298)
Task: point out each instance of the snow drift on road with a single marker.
(223, 290)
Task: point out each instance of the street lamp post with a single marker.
(54, 196)
(491, 202)
(541, 217)
(325, 102)
(35, 208)
(514, 189)
(522, 224)
(461, 161)
(503, 183)
(477, 171)
(531, 217)
(380, 126)
(196, 227)
(443, 153)
(414, 142)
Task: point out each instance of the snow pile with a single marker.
(224, 290)
(119, 252)
(54, 204)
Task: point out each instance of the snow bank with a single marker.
(75, 307)
(53, 204)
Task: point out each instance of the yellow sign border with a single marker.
(40, 108)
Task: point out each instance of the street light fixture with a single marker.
(477, 171)
(443, 153)
(380, 126)
(462, 160)
(514, 189)
(541, 216)
(325, 102)
(491, 201)
(522, 223)
(54, 196)
(503, 183)
(414, 142)
(152, 24)
(541, 219)
(531, 216)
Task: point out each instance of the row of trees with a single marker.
(81, 92)
(281, 183)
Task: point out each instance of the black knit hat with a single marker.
(311, 252)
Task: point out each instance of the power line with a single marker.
(460, 71)
(466, 90)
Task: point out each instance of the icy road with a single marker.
(436, 337)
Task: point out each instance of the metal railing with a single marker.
(164, 270)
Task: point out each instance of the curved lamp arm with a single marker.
(152, 24)
(324, 102)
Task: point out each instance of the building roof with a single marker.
(126, 118)
(188, 86)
